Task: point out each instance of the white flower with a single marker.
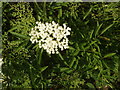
(50, 36)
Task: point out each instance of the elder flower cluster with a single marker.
(50, 36)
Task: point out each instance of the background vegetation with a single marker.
(92, 61)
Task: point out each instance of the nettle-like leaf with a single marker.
(20, 35)
(109, 55)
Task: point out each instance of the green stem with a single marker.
(31, 79)
(40, 58)
(44, 11)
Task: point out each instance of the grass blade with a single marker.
(43, 68)
(14, 28)
(72, 62)
(109, 55)
(31, 78)
(106, 28)
(90, 45)
(90, 85)
(21, 45)
(76, 64)
(39, 55)
(20, 35)
(44, 10)
(96, 32)
(59, 14)
(88, 13)
(91, 33)
(63, 69)
(63, 59)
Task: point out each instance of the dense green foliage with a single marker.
(92, 61)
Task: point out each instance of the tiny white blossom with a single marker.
(50, 36)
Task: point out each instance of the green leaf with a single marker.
(82, 35)
(109, 55)
(23, 44)
(72, 62)
(63, 59)
(38, 8)
(88, 13)
(36, 46)
(14, 28)
(29, 46)
(71, 48)
(69, 71)
(82, 46)
(105, 64)
(98, 48)
(76, 52)
(90, 85)
(71, 43)
(96, 56)
(106, 28)
(90, 45)
(32, 78)
(87, 22)
(98, 24)
(39, 55)
(44, 10)
(91, 33)
(96, 32)
(77, 46)
(60, 13)
(43, 68)
(76, 64)
(63, 69)
(60, 56)
(20, 35)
